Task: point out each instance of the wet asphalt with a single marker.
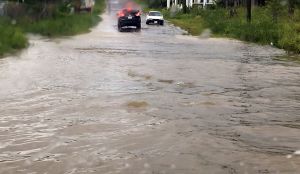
(152, 101)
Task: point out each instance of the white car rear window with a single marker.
(154, 14)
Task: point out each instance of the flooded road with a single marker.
(153, 101)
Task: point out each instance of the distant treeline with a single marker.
(290, 5)
(38, 9)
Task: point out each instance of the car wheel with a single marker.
(120, 27)
(147, 22)
(138, 26)
(161, 23)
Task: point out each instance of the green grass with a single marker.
(283, 34)
(11, 37)
(65, 25)
(290, 36)
(194, 25)
(260, 30)
(62, 26)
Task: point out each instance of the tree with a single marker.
(275, 8)
(184, 7)
(249, 11)
(291, 6)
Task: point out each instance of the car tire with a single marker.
(120, 27)
(147, 22)
(161, 22)
(138, 26)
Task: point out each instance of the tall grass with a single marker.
(285, 33)
(62, 26)
(289, 33)
(193, 24)
(261, 29)
(11, 37)
(65, 24)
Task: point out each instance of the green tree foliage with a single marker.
(11, 37)
(156, 3)
(39, 9)
(275, 7)
(292, 4)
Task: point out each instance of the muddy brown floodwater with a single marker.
(148, 102)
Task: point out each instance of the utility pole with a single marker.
(249, 11)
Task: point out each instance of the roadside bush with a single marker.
(63, 23)
(283, 33)
(14, 10)
(99, 7)
(290, 37)
(194, 26)
(11, 37)
(68, 25)
(50, 21)
(157, 3)
(261, 30)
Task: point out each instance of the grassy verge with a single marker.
(193, 24)
(12, 36)
(285, 33)
(64, 24)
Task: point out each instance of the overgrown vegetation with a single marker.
(11, 37)
(285, 33)
(272, 23)
(51, 19)
(62, 26)
(62, 23)
(193, 24)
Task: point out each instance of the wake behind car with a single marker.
(129, 17)
(154, 17)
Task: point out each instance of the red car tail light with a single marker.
(121, 14)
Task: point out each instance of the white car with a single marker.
(154, 17)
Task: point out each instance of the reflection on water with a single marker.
(288, 58)
(153, 101)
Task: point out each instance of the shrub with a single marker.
(290, 37)
(51, 22)
(283, 33)
(11, 37)
(63, 23)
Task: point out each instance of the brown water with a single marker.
(153, 101)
